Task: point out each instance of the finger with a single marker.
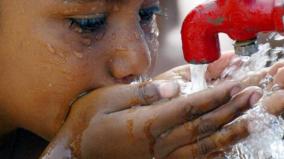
(234, 65)
(186, 108)
(279, 77)
(121, 97)
(254, 78)
(273, 70)
(181, 72)
(216, 68)
(209, 123)
(274, 104)
(226, 137)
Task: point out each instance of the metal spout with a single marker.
(246, 48)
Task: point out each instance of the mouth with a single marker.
(127, 80)
(133, 79)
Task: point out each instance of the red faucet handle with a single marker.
(279, 18)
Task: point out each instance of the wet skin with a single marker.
(47, 62)
(53, 51)
(275, 102)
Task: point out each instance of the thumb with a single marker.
(121, 97)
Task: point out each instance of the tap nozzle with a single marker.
(246, 48)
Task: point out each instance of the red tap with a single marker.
(240, 19)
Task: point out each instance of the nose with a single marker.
(130, 53)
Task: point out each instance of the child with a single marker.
(65, 70)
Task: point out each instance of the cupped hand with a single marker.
(128, 121)
(275, 102)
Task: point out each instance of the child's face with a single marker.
(54, 50)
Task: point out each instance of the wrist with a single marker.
(66, 143)
(59, 147)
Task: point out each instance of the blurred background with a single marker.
(170, 53)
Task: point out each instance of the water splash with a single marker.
(266, 130)
(266, 137)
(248, 64)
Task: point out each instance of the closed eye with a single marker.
(147, 14)
(89, 24)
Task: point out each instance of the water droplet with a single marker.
(86, 42)
(61, 54)
(50, 48)
(78, 54)
(57, 53)
(50, 85)
(137, 35)
(99, 35)
(78, 29)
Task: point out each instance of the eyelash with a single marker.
(95, 23)
(89, 24)
(147, 14)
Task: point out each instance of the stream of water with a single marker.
(266, 139)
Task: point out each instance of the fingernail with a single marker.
(235, 90)
(255, 97)
(168, 89)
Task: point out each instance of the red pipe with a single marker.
(240, 19)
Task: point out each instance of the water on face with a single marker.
(266, 130)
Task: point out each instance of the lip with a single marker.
(126, 80)
(112, 81)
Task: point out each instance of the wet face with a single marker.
(54, 50)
